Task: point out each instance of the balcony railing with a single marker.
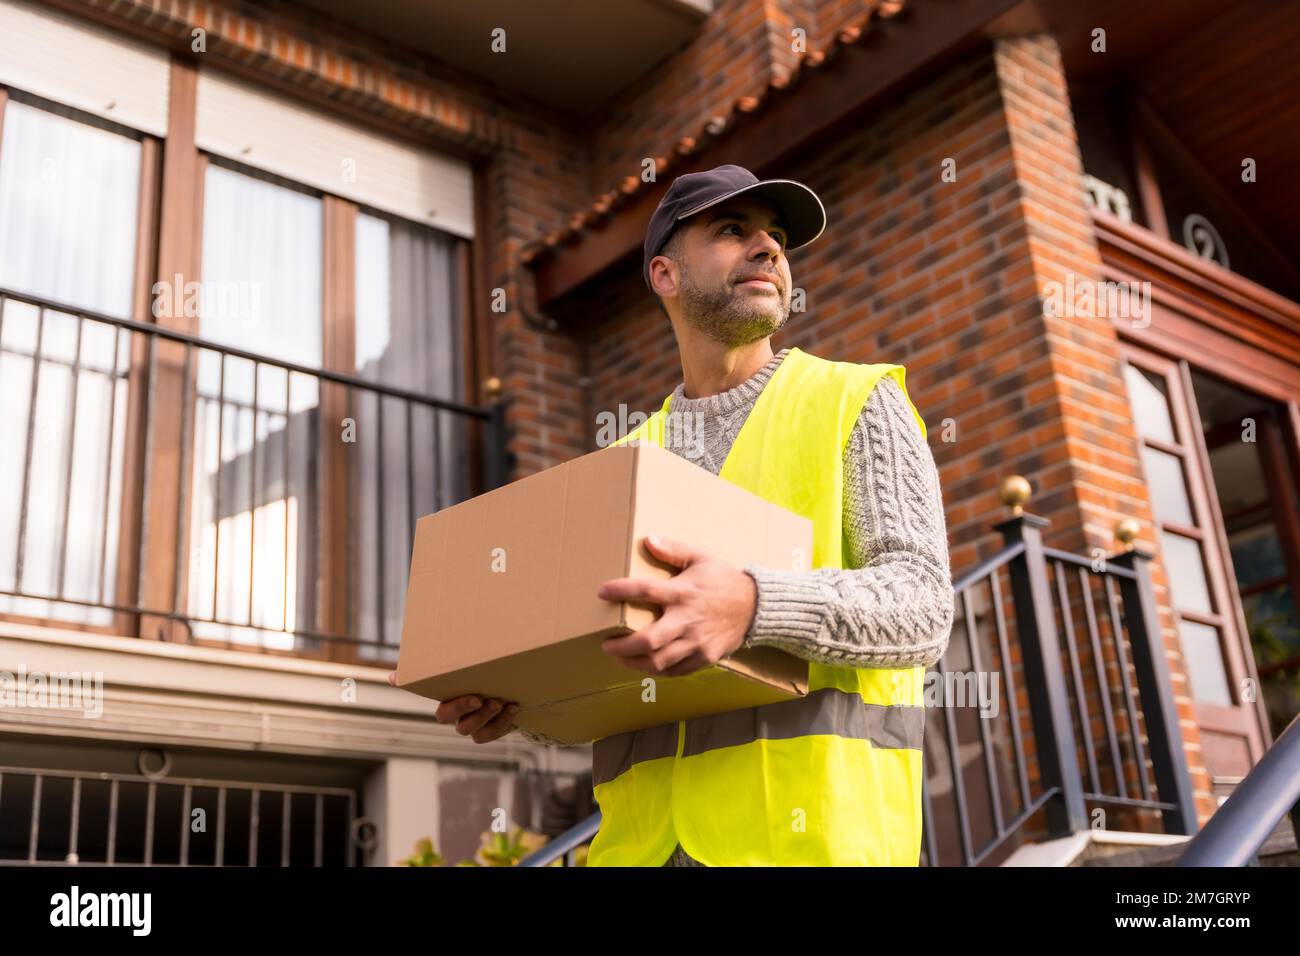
(1088, 736)
(159, 485)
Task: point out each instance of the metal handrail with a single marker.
(150, 387)
(985, 568)
(565, 844)
(1233, 836)
(195, 341)
(1079, 560)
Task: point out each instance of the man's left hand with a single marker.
(708, 607)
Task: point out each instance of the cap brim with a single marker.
(805, 216)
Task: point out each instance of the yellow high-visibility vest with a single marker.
(830, 779)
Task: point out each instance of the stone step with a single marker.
(1278, 850)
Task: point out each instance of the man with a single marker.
(833, 778)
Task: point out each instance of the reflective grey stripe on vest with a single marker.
(611, 756)
(829, 711)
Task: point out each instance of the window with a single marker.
(408, 337)
(1182, 533)
(160, 480)
(267, 449)
(68, 199)
(252, 534)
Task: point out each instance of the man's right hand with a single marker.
(481, 720)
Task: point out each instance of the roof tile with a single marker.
(608, 204)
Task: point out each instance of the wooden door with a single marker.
(1193, 550)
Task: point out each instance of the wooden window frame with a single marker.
(1228, 616)
(338, 305)
(338, 336)
(127, 568)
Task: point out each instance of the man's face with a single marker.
(723, 246)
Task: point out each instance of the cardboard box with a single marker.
(501, 599)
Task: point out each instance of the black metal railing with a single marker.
(1085, 660)
(116, 819)
(167, 485)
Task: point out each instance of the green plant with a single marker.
(507, 849)
(497, 849)
(424, 855)
(1270, 634)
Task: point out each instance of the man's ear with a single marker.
(653, 287)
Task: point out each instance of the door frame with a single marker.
(1203, 315)
(1241, 719)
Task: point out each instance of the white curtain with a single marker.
(253, 533)
(69, 194)
(68, 204)
(408, 336)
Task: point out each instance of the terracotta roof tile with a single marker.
(608, 204)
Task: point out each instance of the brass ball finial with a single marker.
(1014, 492)
(1126, 531)
(492, 387)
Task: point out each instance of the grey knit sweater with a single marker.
(893, 605)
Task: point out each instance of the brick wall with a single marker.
(742, 46)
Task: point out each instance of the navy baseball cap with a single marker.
(804, 215)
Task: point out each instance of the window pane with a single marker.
(1238, 475)
(1146, 391)
(1257, 554)
(256, 465)
(1186, 573)
(408, 326)
(68, 203)
(261, 267)
(407, 335)
(1273, 624)
(61, 495)
(1204, 663)
(1164, 473)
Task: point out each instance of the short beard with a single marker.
(723, 315)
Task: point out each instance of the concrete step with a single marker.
(1278, 850)
(1118, 848)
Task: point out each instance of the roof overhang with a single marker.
(1221, 78)
(825, 97)
(570, 56)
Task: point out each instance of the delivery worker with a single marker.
(833, 778)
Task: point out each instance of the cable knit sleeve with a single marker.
(894, 606)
